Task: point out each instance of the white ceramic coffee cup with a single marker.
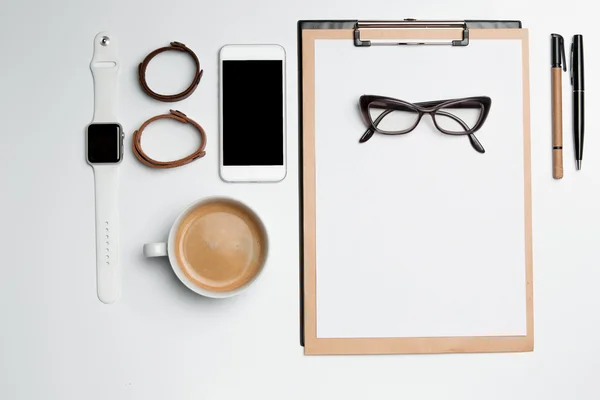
(168, 250)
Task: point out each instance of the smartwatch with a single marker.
(104, 152)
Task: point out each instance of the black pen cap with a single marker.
(558, 51)
(577, 62)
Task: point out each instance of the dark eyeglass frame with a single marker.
(433, 108)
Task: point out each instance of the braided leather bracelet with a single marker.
(178, 116)
(177, 46)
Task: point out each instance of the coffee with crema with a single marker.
(220, 245)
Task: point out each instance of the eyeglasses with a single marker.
(391, 116)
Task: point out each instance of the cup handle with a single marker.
(155, 249)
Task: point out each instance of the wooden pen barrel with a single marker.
(557, 133)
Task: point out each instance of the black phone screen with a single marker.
(252, 112)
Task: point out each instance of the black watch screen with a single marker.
(104, 142)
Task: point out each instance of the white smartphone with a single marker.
(252, 113)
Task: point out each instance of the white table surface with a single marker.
(57, 341)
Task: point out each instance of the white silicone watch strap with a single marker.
(105, 68)
(108, 273)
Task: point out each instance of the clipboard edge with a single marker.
(429, 345)
(351, 23)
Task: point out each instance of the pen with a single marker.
(558, 62)
(578, 96)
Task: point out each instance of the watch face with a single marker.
(104, 143)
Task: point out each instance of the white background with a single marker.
(429, 231)
(57, 341)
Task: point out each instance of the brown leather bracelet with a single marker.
(177, 46)
(178, 116)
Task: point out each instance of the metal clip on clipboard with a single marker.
(410, 23)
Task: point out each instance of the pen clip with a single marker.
(561, 43)
(571, 64)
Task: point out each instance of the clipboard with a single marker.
(334, 62)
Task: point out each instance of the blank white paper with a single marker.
(419, 235)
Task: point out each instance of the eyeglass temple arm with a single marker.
(472, 138)
(369, 132)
